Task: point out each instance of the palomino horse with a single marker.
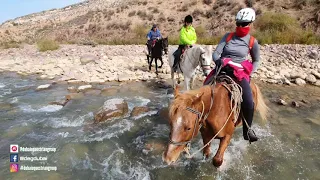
(219, 121)
(190, 61)
(156, 52)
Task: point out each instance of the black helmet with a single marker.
(154, 26)
(188, 19)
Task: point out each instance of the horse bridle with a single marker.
(204, 66)
(188, 143)
(199, 116)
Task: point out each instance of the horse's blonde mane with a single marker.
(184, 100)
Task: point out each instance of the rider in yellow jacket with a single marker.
(188, 37)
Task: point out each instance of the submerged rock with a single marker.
(282, 102)
(43, 87)
(74, 96)
(138, 111)
(109, 91)
(295, 104)
(113, 108)
(84, 87)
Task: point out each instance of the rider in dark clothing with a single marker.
(152, 35)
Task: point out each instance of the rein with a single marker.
(199, 116)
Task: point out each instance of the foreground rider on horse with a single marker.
(188, 38)
(153, 34)
(232, 57)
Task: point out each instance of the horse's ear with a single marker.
(197, 97)
(176, 91)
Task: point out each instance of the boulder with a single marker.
(282, 102)
(138, 111)
(300, 82)
(84, 87)
(316, 74)
(42, 87)
(85, 59)
(311, 78)
(313, 54)
(113, 108)
(124, 77)
(295, 104)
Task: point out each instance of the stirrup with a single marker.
(250, 131)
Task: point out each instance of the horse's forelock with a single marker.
(181, 102)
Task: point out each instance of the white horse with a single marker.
(192, 57)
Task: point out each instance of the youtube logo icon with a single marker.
(14, 148)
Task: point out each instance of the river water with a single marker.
(131, 148)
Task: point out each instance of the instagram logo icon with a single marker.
(14, 167)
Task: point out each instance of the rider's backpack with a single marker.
(251, 41)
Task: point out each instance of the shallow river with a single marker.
(131, 148)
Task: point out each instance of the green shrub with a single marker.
(140, 31)
(47, 45)
(10, 44)
(278, 28)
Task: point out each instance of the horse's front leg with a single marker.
(173, 80)
(192, 81)
(218, 158)
(161, 62)
(186, 83)
(150, 63)
(156, 61)
(206, 137)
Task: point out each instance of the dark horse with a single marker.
(157, 52)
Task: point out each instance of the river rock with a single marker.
(316, 74)
(124, 77)
(109, 91)
(282, 102)
(317, 83)
(84, 87)
(311, 78)
(113, 108)
(313, 54)
(43, 87)
(138, 111)
(74, 81)
(94, 92)
(300, 82)
(75, 96)
(295, 104)
(85, 59)
(72, 89)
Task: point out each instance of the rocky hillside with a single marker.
(108, 20)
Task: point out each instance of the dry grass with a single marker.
(207, 2)
(282, 29)
(132, 13)
(47, 45)
(10, 44)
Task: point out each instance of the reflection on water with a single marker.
(131, 148)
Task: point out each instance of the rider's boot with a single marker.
(248, 133)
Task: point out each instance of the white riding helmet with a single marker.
(246, 15)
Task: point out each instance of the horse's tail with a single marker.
(261, 105)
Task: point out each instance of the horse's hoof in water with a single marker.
(207, 153)
(217, 162)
